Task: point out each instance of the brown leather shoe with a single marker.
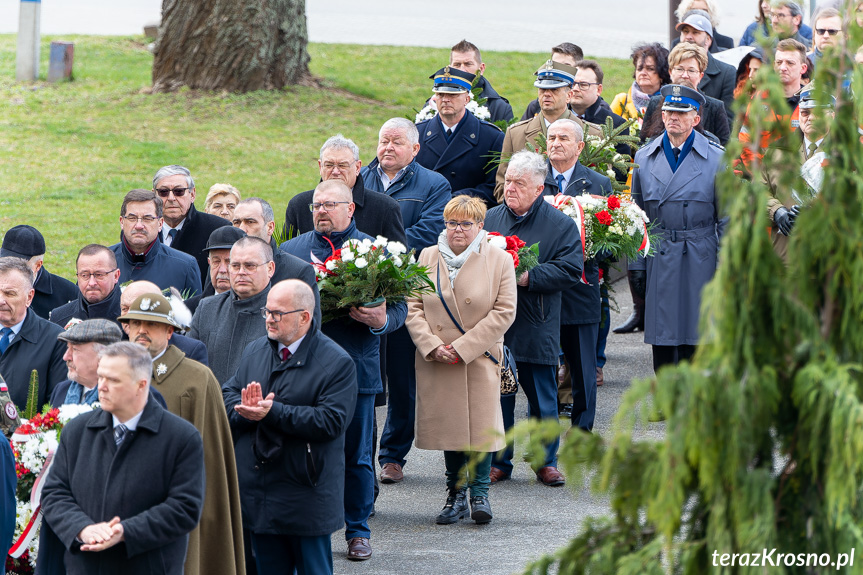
(359, 549)
(496, 475)
(391, 473)
(550, 476)
(599, 377)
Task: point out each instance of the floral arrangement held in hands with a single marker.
(33, 445)
(524, 257)
(613, 224)
(367, 273)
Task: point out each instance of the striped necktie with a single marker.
(120, 433)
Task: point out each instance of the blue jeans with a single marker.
(579, 347)
(289, 554)
(398, 433)
(359, 471)
(539, 383)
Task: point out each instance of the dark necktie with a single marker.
(286, 354)
(448, 135)
(560, 180)
(4, 341)
(676, 154)
(120, 433)
(173, 235)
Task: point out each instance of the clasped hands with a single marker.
(445, 354)
(253, 405)
(101, 536)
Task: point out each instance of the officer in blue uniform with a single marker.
(674, 184)
(454, 143)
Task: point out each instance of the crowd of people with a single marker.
(246, 426)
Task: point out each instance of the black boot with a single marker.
(480, 510)
(636, 319)
(455, 507)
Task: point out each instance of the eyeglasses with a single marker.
(327, 206)
(133, 219)
(463, 225)
(178, 192)
(828, 31)
(277, 315)
(686, 71)
(343, 166)
(85, 276)
(249, 267)
(584, 85)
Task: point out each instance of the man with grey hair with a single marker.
(185, 228)
(455, 143)
(581, 307)
(534, 337)
(27, 342)
(374, 214)
(255, 217)
(786, 18)
(111, 507)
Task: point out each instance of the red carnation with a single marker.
(514, 243)
(604, 218)
(514, 254)
(613, 202)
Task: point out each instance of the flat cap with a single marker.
(92, 331)
(224, 238)
(22, 242)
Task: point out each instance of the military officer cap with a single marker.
(698, 22)
(224, 238)
(552, 75)
(22, 242)
(808, 99)
(450, 80)
(92, 331)
(677, 98)
(151, 307)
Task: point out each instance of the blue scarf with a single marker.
(684, 150)
(75, 392)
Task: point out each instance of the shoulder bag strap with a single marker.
(451, 316)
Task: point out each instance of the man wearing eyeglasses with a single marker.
(374, 214)
(786, 18)
(289, 405)
(27, 243)
(332, 211)
(828, 34)
(98, 288)
(229, 321)
(191, 391)
(141, 256)
(185, 228)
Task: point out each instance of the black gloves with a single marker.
(638, 281)
(784, 218)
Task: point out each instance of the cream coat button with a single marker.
(438, 328)
(467, 300)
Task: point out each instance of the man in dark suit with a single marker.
(113, 510)
(374, 214)
(580, 314)
(719, 78)
(27, 243)
(98, 288)
(455, 143)
(27, 342)
(185, 228)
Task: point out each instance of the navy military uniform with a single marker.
(464, 158)
(678, 195)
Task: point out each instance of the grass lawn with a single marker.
(69, 152)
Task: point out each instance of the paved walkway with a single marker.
(606, 29)
(529, 518)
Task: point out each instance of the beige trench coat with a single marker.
(458, 406)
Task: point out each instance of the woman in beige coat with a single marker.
(458, 386)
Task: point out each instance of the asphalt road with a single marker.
(530, 519)
(607, 29)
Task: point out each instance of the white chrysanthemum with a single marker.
(396, 248)
(71, 411)
(331, 265)
(363, 249)
(361, 262)
(426, 113)
(380, 242)
(398, 261)
(497, 241)
(347, 255)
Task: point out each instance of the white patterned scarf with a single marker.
(453, 261)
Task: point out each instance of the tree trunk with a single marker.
(231, 45)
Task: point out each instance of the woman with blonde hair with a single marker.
(458, 330)
(222, 200)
